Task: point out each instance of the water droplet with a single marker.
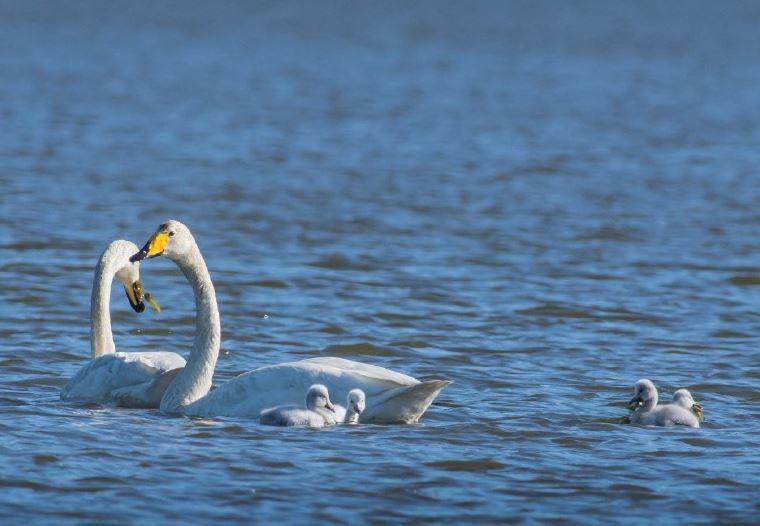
(266, 316)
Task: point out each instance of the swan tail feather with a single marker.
(404, 405)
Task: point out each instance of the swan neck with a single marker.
(651, 403)
(194, 381)
(101, 337)
(352, 417)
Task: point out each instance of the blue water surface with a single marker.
(541, 201)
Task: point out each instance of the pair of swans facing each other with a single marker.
(176, 386)
(319, 410)
(682, 411)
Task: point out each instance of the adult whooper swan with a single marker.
(646, 411)
(135, 379)
(391, 397)
(319, 411)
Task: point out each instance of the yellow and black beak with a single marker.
(635, 403)
(135, 296)
(154, 247)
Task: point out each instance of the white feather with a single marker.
(131, 379)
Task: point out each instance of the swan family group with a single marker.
(167, 381)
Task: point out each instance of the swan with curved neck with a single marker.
(130, 379)
(392, 396)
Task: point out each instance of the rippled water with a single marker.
(540, 201)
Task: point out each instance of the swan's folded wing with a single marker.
(97, 381)
(391, 396)
(371, 371)
(159, 360)
(671, 414)
(287, 383)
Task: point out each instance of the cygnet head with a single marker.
(317, 397)
(116, 257)
(171, 239)
(683, 398)
(356, 401)
(644, 394)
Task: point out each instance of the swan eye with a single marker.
(171, 233)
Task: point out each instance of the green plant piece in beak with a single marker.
(152, 302)
(697, 410)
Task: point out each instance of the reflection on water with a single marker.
(540, 202)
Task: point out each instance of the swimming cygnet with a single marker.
(355, 402)
(647, 412)
(319, 411)
(683, 398)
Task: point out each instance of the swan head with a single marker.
(356, 401)
(644, 393)
(317, 397)
(117, 254)
(171, 239)
(683, 398)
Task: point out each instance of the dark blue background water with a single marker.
(542, 201)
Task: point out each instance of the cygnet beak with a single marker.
(635, 403)
(697, 410)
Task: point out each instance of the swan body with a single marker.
(356, 403)
(647, 412)
(392, 397)
(319, 411)
(130, 379)
(683, 398)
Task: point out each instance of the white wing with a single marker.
(391, 396)
(99, 380)
(670, 414)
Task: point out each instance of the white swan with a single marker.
(319, 411)
(392, 396)
(132, 379)
(356, 402)
(647, 412)
(683, 398)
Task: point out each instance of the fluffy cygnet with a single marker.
(319, 411)
(356, 401)
(647, 412)
(683, 398)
